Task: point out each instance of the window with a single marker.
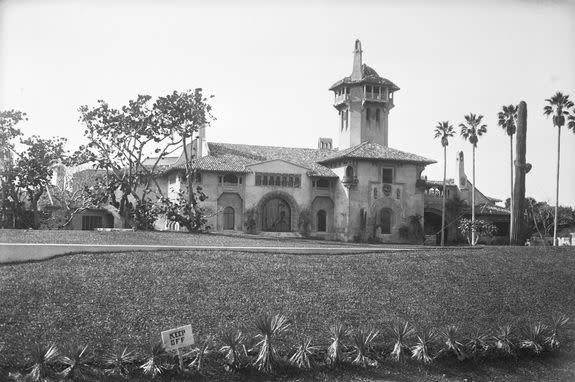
(290, 181)
(258, 180)
(387, 175)
(385, 221)
(347, 90)
(321, 222)
(322, 183)
(349, 172)
(368, 89)
(368, 114)
(375, 193)
(265, 180)
(297, 181)
(283, 180)
(377, 112)
(230, 180)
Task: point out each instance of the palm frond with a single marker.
(401, 335)
(534, 338)
(423, 347)
(503, 340)
(362, 341)
(335, 350)
(269, 328)
(233, 348)
(78, 362)
(157, 361)
(43, 358)
(452, 342)
(302, 356)
(477, 345)
(205, 345)
(120, 363)
(558, 322)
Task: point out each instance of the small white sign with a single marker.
(178, 338)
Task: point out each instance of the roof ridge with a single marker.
(280, 147)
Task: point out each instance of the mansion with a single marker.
(360, 190)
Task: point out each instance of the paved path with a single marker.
(22, 252)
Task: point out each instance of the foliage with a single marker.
(558, 322)
(477, 345)
(302, 356)
(44, 359)
(507, 119)
(205, 346)
(233, 348)
(157, 361)
(304, 222)
(444, 130)
(251, 220)
(362, 341)
(481, 227)
(145, 214)
(472, 128)
(335, 350)
(504, 340)
(182, 211)
(534, 337)
(452, 343)
(403, 231)
(558, 107)
(415, 227)
(423, 347)
(119, 363)
(120, 138)
(401, 335)
(269, 329)
(78, 362)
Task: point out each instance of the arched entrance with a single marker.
(276, 216)
(321, 221)
(229, 218)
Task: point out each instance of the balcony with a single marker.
(340, 99)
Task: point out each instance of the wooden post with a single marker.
(517, 237)
(181, 359)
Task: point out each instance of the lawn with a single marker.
(111, 300)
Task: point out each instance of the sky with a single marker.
(270, 64)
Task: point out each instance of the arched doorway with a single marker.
(229, 218)
(321, 221)
(276, 216)
(432, 225)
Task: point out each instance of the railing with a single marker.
(341, 98)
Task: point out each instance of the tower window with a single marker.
(368, 89)
(368, 114)
(387, 175)
(377, 112)
(347, 90)
(258, 180)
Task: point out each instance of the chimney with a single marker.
(201, 143)
(356, 75)
(324, 143)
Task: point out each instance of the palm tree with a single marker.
(471, 130)
(444, 131)
(507, 119)
(559, 106)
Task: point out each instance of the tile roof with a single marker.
(229, 157)
(375, 151)
(166, 161)
(368, 75)
(490, 209)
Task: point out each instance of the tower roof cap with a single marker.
(368, 76)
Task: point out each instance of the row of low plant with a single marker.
(270, 351)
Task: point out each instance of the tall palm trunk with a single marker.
(557, 185)
(473, 202)
(511, 199)
(443, 206)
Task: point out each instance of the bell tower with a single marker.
(363, 101)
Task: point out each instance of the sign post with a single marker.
(178, 338)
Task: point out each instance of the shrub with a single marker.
(144, 215)
(482, 228)
(403, 232)
(504, 340)
(269, 328)
(43, 358)
(362, 341)
(78, 363)
(157, 361)
(302, 356)
(534, 336)
(401, 334)
(251, 220)
(205, 345)
(558, 322)
(415, 228)
(233, 349)
(422, 349)
(304, 222)
(452, 343)
(335, 350)
(119, 363)
(188, 214)
(477, 345)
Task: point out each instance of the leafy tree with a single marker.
(473, 229)
(444, 130)
(185, 213)
(558, 107)
(34, 166)
(121, 139)
(507, 119)
(471, 130)
(8, 191)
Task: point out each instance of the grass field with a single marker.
(109, 300)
